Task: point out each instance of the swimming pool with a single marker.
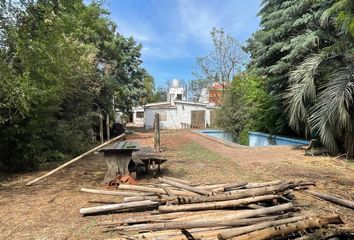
(255, 138)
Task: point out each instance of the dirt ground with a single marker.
(50, 209)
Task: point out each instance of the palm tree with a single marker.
(320, 96)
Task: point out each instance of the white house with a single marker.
(180, 114)
(177, 112)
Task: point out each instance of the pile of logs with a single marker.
(177, 209)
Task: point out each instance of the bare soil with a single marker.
(50, 209)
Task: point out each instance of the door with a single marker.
(198, 119)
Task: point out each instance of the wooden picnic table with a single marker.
(117, 157)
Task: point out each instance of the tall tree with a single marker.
(225, 60)
(61, 63)
(321, 90)
(289, 33)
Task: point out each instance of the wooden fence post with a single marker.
(157, 132)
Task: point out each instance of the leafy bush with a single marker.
(247, 107)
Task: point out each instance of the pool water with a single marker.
(255, 138)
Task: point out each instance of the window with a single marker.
(179, 97)
(139, 114)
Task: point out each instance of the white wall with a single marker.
(175, 116)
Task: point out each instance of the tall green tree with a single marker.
(289, 32)
(320, 95)
(62, 63)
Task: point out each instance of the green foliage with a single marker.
(61, 64)
(159, 95)
(320, 95)
(289, 32)
(247, 107)
(149, 87)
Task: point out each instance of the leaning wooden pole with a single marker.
(75, 159)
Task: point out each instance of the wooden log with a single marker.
(141, 198)
(162, 217)
(153, 190)
(185, 187)
(75, 159)
(215, 205)
(121, 206)
(171, 234)
(235, 215)
(263, 184)
(286, 229)
(230, 186)
(339, 201)
(328, 233)
(168, 191)
(233, 195)
(195, 224)
(115, 193)
(242, 230)
(178, 180)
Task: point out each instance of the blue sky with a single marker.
(174, 32)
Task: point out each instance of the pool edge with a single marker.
(224, 142)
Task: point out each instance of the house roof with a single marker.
(191, 103)
(161, 105)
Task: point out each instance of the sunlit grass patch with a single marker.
(197, 152)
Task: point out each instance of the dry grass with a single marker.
(50, 210)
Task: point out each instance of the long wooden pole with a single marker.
(116, 193)
(339, 201)
(75, 159)
(185, 186)
(119, 206)
(214, 205)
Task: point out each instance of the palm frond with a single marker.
(302, 91)
(330, 115)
